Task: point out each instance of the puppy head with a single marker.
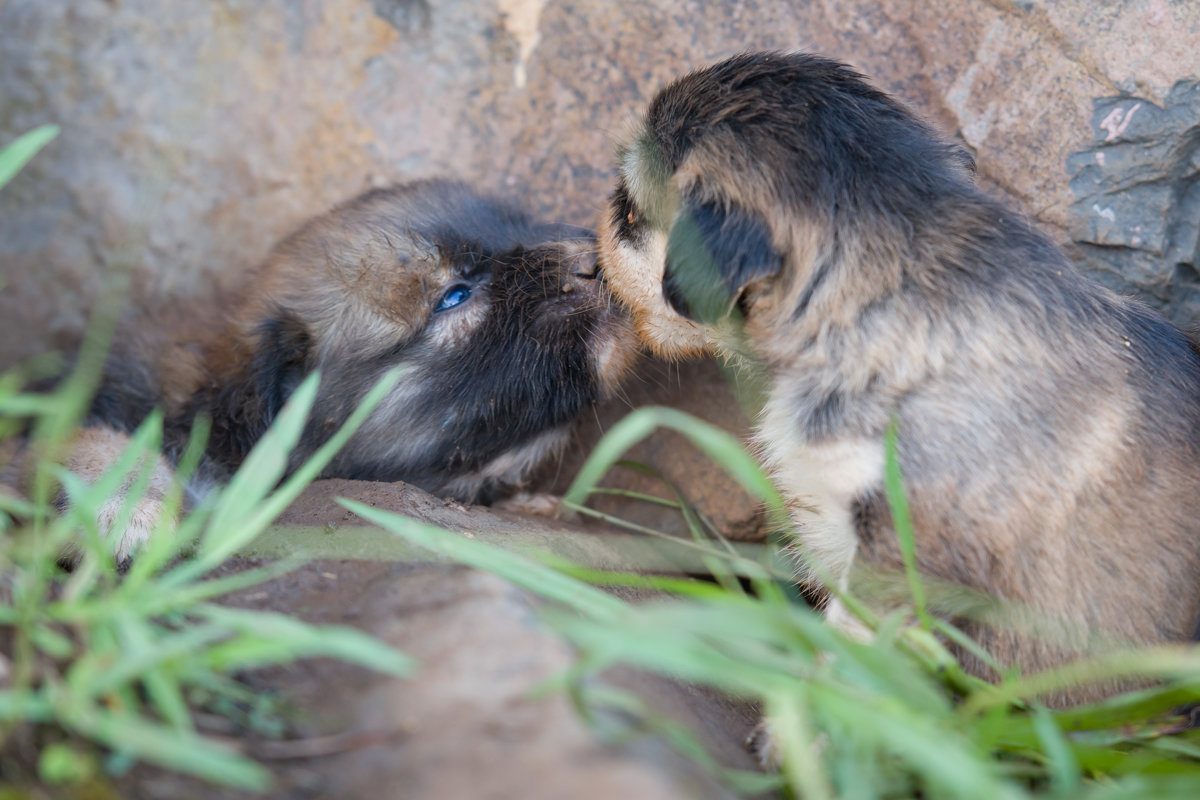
(734, 186)
(502, 328)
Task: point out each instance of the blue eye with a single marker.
(453, 297)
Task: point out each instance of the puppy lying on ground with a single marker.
(1049, 430)
(504, 331)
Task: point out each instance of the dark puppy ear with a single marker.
(713, 250)
(964, 157)
(280, 361)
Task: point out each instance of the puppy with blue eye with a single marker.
(780, 206)
(505, 333)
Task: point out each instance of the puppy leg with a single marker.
(840, 617)
(827, 544)
(94, 452)
(823, 484)
(763, 745)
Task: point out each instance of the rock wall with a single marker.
(194, 138)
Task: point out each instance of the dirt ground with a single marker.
(467, 724)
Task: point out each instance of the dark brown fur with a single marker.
(492, 385)
(1049, 430)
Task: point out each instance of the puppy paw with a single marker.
(670, 336)
(140, 526)
(537, 504)
(761, 744)
(840, 617)
(94, 452)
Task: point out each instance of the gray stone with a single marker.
(1136, 218)
(469, 723)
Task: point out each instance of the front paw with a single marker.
(537, 504)
(138, 528)
(95, 451)
(761, 744)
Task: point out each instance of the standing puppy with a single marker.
(504, 333)
(1049, 430)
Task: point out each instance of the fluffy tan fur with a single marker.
(1049, 430)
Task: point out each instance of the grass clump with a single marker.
(893, 718)
(116, 660)
(100, 670)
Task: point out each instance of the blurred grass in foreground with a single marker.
(91, 657)
(120, 660)
(894, 718)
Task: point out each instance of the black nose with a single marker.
(577, 258)
(581, 276)
(585, 265)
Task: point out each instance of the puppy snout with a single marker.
(573, 277)
(579, 273)
(585, 266)
(579, 293)
(577, 284)
(579, 260)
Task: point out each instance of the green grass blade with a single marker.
(238, 520)
(169, 538)
(167, 747)
(1128, 709)
(1161, 663)
(159, 679)
(719, 445)
(1063, 766)
(524, 572)
(902, 521)
(93, 675)
(788, 719)
(23, 705)
(258, 475)
(16, 155)
(161, 597)
(271, 638)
